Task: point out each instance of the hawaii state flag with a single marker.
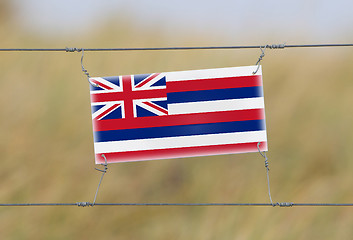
(178, 114)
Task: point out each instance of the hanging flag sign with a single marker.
(178, 114)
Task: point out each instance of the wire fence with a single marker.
(89, 204)
(271, 46)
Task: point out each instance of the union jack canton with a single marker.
(129, 96)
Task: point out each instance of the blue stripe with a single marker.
(216, 94)
(175, 131)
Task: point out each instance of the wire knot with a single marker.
(276, 46)
(105, 165)
(84, 204)
(263, 154)
(283, 204)
(67, 49)
(267, 164)
(260, 59)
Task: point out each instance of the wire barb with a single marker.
(105, 164)
(284, 204)
(263, 48)
(84, 204)
(68, 49)
(263, 154)
(276, 46)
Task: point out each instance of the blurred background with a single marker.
(46, 134)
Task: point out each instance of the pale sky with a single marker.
(314, 20)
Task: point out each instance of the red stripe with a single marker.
(107, 111)
(182, 119)
(142, 83)
(156, 107)
(128, 97)
(180, 152)
(121, 96)
(101, 84)
(214, 83)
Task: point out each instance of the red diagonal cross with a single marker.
(128, 95)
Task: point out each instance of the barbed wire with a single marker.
(271, 46)
(89, 204)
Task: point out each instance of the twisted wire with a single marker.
(270, 46)
(88, 204)
(263, 154)
(103, 172)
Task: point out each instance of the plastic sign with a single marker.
(178, 114)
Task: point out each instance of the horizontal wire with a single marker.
(36, 204)
(273, 46)
(84, 204)
(87, 204)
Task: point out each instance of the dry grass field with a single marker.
(46, 146)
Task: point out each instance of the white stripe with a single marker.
(105, 91)
(123, 110)
(212, 73)
(105, 103)
(216, 106)
(179, 142)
